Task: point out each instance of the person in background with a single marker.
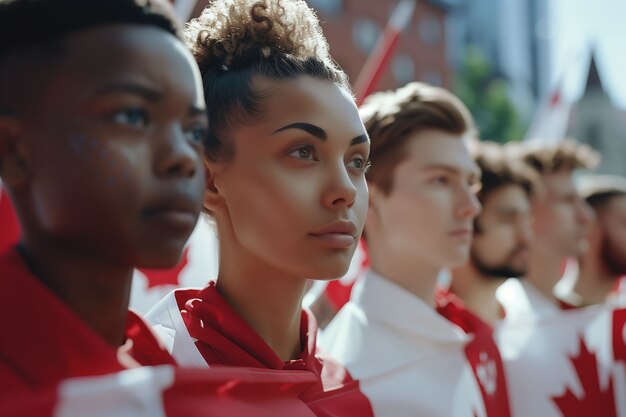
(561, 223)
(502, 231)
(556, 356)
(416, 353)
(603, 266)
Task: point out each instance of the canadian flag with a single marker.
(570, 364)
(174, 392)
(550, 123)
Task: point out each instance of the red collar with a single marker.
(452, 308)
(224, 338)
(44, 341)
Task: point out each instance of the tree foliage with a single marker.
(486, 96)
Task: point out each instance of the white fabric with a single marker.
(409, 360)
(520, 299)
(539, 352)
(168, 324)
(137, 392)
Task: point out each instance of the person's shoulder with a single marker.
(10, 380)
(10, 262)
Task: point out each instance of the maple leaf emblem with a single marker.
(595, 400)
(487, 373)
(163, 277)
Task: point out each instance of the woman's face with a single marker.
(293, 197)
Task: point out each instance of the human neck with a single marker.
(593, 282)
(94, 289)
(544, 271)
(269, 300)
(477, 291)
(414, 275)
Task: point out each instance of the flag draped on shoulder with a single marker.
(168, 391)
(412, 360)
(200, 329)
(564, 363)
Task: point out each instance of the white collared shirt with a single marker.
(521, 300)
(409, 359)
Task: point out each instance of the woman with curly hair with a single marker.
(285, 160)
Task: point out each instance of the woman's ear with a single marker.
(13, 160)
(213, 199)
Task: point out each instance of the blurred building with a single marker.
(513, 35)
(352, 28)
(597, 121)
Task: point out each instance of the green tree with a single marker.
(486, 96)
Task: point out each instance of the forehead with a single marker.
(510, 197)
(430, 147)
(306, 99)
(130, 52)
(617, 205)
(560, 182)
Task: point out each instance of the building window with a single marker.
(432, 77)
(429, 29)
(328, 7)
(365, 33)
(403, 69)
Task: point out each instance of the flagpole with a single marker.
(378, 60)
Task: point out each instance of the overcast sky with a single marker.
(577, 25)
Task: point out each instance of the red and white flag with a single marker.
(566, 363)
(410, 360)
(549, 126)
(169, 391)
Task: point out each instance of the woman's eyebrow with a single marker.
(360, 139)
(312, 130)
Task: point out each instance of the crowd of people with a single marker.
(119, 129)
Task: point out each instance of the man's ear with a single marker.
(373, 209)
(13, 166)
(213, 199)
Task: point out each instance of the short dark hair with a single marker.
(235, 40)
(26, 23)
(598, 189)
(32, 31)
(565, 155)
(390, 117)
(499, 169)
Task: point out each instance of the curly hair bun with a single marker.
(235, 33)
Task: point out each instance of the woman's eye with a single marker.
(360, 163)
(303, 152)
(441, 180)
(135, 117)
(475, 186)
(197, 134)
